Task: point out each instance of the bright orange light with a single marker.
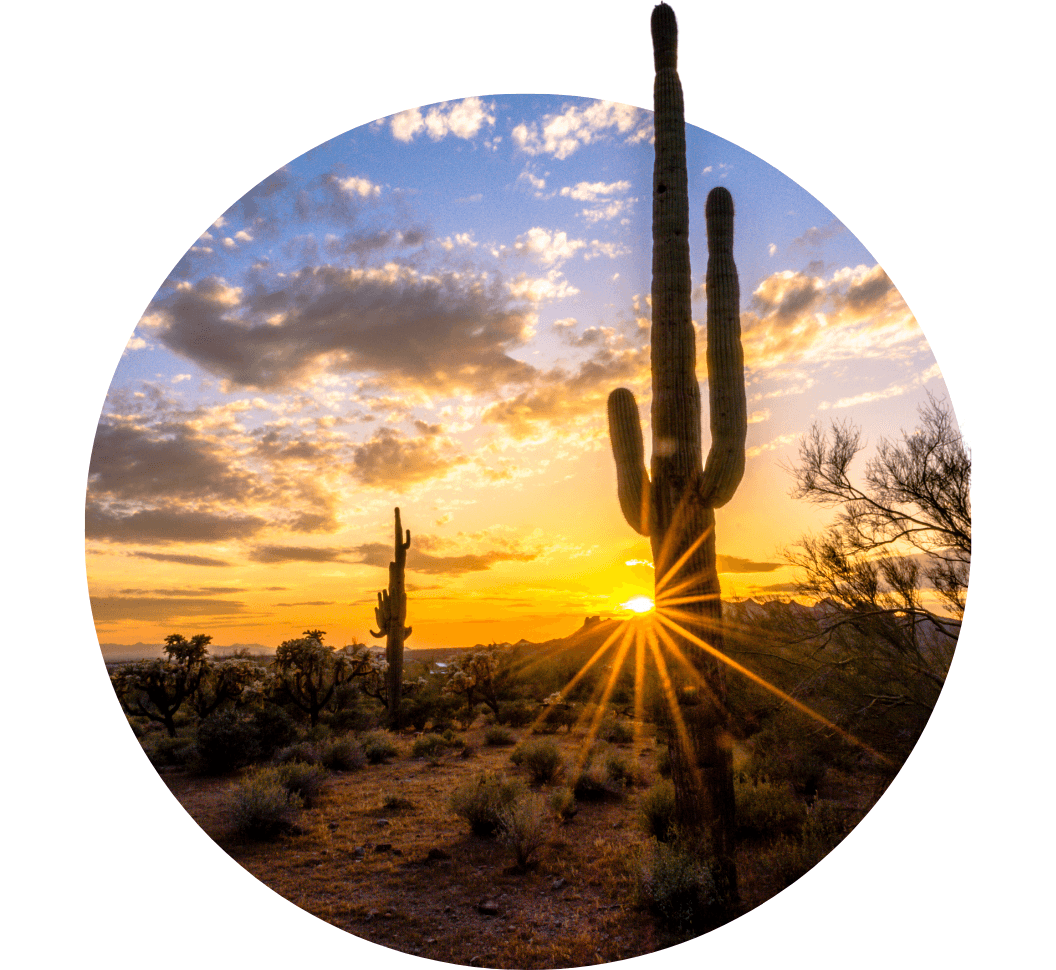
(638, 604)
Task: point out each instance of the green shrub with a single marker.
(767, 809)
(482, 801)
(274, 729)
(429, 746)
(397, 803)
(262, 806)
(378, 747)
(789, 858)
(656, 811)
(623, 771)
(516, 713)
(615, 731)
(593, 782)
(541, 759)
(663, 760)
(525, 826)
(226, 740)
(303, 751)
(342, 754)
(557, 716)
(304, 781)
(166, 752)
(679, 888)
(563, 803)
(498, 736)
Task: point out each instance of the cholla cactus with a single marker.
(674, 506)
(391, 613)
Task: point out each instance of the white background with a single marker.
(921, 125)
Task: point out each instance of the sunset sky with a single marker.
(430, 311)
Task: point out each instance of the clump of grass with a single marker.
(304, 781)
(563, 803)
(262, 806)
(303, 752)
(378, 747)
(498, 736)
(656, 811)
(767, 809)
(541, 759)
(679, 887)
(342, 754)
(615, 731)
(623, 771)
(525, 827)
(397, 803)
(429, 746)
(789, 858)
(482, 801)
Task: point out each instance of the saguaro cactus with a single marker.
(675, 505)
(391, 613)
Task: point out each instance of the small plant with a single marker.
(304, 781)
(378, 747)
(767, 809)
(789, 858)
(525, 827)
(498, 736)
(226, 740)
(262, 806)
(165, 752)
(623, 771)
(482, 801)
(342, 754)
(663, 760)
(542, 759)
(304, 752)
(592, 784)
(563, 803)
(429, 746)
(516, 713)
(656, 811)
(679, 888)
(397, 803)
(615, 731)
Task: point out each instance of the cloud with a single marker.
(547, 247)
(380, 554)
(592, 191)
(814, 236)
(362, 187)
(797, 318)
(181, 560)
(390, 460)
(271, 554)
(733, 564)
(562, 134)
(463, 119)
(448, 332)
(160, 609)
(772, 445)
(165, 525)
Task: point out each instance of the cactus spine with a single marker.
(391, 613)
(675, 505)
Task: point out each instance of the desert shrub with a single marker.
(767, 809)
(541, 759)
(397, 803)
(453, 738)
(429, 746)
(592, 783)
(615, 731)
(303, 751)
(262, 806)
(678, 887)
(623, 771)
(656, 811)
(557, 716)
(342, 754)
(498, 736)
(304, 781)
(274, 729)
(663, 760)
(789, 858)
(378, 747)
(482, 801)
(226, 740)
(516, 713)
(563, 803)
(166, 752)
(525, 826)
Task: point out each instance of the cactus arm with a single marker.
(632, 480)
(729, 411)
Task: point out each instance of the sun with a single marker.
(638, 604)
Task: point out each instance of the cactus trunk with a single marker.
(391, 613)
(675, 505)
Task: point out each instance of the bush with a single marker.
(262, 806)
(226, 740)
(482, 801)
(342, 754)
(498, 737)
(525, 827)
(378, 747)
(615, 731)
(563, 802)
(304, 752)
(663, 760)
(767, 809)
(541, 759)
(822, 829)
(557, 716)
(623, 771)
(429, 746)
(516, 713)
(166, 752)
(592, 782)
(274, 729)
(656, 811)
(679, 888)
(397, 803)
(304, 781)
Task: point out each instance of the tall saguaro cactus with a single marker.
(675, 505)
(391, 613)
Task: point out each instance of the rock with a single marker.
(334, 826)
(488, 908)
(474, 961)
(382, 822)
(383, 847)
(558, 884)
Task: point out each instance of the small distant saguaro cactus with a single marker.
(674, 506)
(391, 614)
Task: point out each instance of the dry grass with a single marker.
(412, 877)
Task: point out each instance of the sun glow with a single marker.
(638, 604)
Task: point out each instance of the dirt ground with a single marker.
(415, 879)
